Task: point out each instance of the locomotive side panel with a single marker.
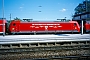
(2, 28)
(30, 27)
(87, 26)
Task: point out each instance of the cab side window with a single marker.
(75, 24)
(14, 24)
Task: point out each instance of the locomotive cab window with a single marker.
(75, 24)
(14, 24)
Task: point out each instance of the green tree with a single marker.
(83, 7)
(17, 18)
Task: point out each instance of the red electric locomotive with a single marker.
(87, 26)
(2, 26)
(17, 26)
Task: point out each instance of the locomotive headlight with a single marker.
(13, 28)
(75, 28)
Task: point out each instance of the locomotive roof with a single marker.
(1, 21)
(44, 21)
(48, 22)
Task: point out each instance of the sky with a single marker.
(39, 10)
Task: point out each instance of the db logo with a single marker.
(46, 27)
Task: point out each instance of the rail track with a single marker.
(46, 50)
